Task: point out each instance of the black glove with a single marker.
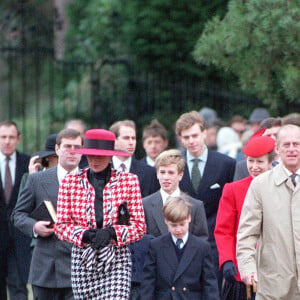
(229, 270)
(89, 235)
(103, 237)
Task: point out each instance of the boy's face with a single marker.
(178, 229)
(169, 177)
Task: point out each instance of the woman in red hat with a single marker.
(100, 212)
(259, 155)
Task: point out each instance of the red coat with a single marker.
(76, 212)
(228, 219)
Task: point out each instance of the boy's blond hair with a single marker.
(187, 120)
(177, 209)
(168, 157)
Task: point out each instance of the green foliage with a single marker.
(162, 34)
(94, 29)
(257, 40)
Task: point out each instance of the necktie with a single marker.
(274, 163)
(123, 167)
(179, 242)
(196, 176)
(8, 181)
(293, 177)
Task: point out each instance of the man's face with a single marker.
(288, 148)
(193, 140)
(69, 161)
(98, 163)
(9, 139)
(272, 132)
(154, 145)
(179, 229)
(169, 177)
(126, 141)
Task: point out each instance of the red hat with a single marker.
(259, 145)
(99, 142)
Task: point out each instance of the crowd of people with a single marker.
(215, 218)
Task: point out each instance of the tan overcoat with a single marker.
(271, 218)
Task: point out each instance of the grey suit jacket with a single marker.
(156, 223)
(241, 170)
(51, 260)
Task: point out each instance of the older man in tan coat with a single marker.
(271, 218)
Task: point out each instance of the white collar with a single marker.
(13, 157)
(184, 239)
(165, 196)
(150, 161)
(202, 157)
(61, 172)
(117, 163)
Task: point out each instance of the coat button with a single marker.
(184, 289)
(173, 288)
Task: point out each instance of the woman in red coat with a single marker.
(100, 211)
(259, 155)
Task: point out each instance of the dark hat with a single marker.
(49, 147)
(258, 146)
(100, 142)
(258, 114)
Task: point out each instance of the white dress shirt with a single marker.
(201, 164)
(165, 196)
(12, 166)
(117, 163)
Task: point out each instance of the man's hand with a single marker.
(34, 165)
(43, 228)
(248, 279)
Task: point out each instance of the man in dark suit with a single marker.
(170, 166)
(125, 132)
(14, 245)
(155, 141)
(206, 172)
(50, 269)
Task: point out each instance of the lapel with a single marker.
(280, 177)
(209, 172)
(157, 205)
(52, 181)
(187, 257)
(169, 254)
(134, 168)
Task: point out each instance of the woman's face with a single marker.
(98, 163)
(258, 165)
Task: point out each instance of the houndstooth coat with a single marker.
(104, 273)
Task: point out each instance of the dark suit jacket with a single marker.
(241, 170)
(219, 170)
(51, 259)
(147, 177)
(192, 278)
(156, 223)
(9, 233)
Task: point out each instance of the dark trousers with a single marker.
(16, 287)
(41, 293)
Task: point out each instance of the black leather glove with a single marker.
(103, 237)
(89, 235)
(229, 270)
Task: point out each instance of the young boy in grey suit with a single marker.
(178, 264)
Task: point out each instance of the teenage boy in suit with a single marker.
(205, 174)
(178, 264)
(169, 170)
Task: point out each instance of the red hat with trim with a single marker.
(100, 142)
(259, 145)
